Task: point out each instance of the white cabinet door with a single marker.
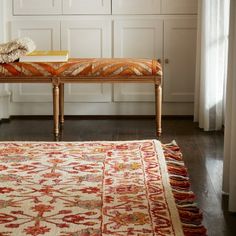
(46, 35)
(136, 6)
(84, 39)
(179, 6)
(86, 6)
(180, 59)
(137, 38)
(34, 7)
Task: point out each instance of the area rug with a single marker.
(95, 188)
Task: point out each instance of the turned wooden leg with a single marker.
(61, 101)
(56, 108)
(158, 95)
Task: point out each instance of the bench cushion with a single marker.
(83, 67)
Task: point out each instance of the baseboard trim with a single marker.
(99, 117)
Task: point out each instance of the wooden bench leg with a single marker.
(61, 102)
(158, 95)
(56, 108)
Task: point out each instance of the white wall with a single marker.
(4, 93)
(1, 21)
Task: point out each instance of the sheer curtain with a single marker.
(229, 178)
(211, 69)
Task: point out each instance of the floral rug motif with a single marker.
(95, 188)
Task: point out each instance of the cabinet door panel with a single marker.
(86, 6)
(136, 6)
(46, 35)
(137, 39)
(179, 6)
(180, 59)
(84, 39)
(33, 7)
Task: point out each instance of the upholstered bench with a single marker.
(85, 71)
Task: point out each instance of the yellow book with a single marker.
(45, 56)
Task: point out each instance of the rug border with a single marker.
(176, 221)
(96, 141)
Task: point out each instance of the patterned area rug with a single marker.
(95, 188)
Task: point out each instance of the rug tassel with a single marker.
(190, 215)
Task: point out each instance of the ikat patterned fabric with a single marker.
(83, 67)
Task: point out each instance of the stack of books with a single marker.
(45, 56)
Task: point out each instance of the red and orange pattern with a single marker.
(95, 189)
(83, 67)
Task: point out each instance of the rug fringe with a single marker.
(190, 215)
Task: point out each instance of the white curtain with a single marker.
(211, 69)
(229, 178)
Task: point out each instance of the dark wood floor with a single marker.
(203, 153)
